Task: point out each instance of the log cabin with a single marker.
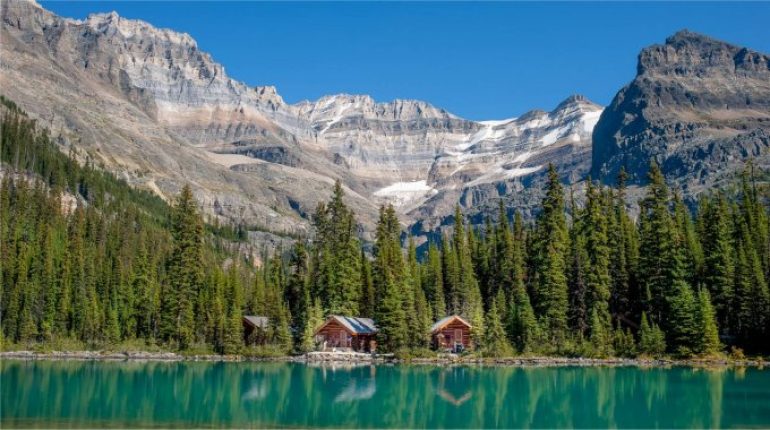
(255, 329)
(451, 333)
(342, 333)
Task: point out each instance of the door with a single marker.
(459, 336)
(343, 339)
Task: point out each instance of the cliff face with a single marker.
(699, 106)
(148, 104)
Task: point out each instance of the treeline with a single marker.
(86, 257)
(585, 280)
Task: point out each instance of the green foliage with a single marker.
(495, 339)
(624, 343)
(652, 340)
(551, 244)
(707, 336)
(85, 258)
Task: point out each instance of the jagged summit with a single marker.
(147, 103)
(698, 105)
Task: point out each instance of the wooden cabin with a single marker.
(451, 333)
(343, 333)
(255, 329)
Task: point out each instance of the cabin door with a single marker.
(343, 338)
(458, 336)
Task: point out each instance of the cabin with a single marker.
(342, 333)
(452, 334)
(255, 329)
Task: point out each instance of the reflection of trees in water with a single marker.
(280, 394)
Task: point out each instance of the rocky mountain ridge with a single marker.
(699, 106)
(148, 104)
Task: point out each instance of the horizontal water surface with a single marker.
(190, 394)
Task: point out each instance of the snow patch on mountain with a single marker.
(401, 194)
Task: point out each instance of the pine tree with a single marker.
(185, 276)
(233, 339)
(467, 290)
(578, 310)
(297, 293)
(707, 337)
(451, 276)
(367, 305)
(624, 293)
(433, 281)
(390, 274)
(719, 257)
(651, 338)
(338, 260)
(551, 247)
(495, 343)
(657, 245)
(314, 320)
(422, 315)
(601, 335)
(623, 343)
(598, 279)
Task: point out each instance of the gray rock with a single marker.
(149, 105)
(699, 106)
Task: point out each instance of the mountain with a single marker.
(699, 106)
(150, 106)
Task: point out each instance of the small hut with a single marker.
(347, 333)
(255, 329)
(451, 333)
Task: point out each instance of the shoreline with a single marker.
(334, 358)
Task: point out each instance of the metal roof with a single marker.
(356, 325)
(256, 321)
(444, 321)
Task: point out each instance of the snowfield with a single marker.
(401, 194)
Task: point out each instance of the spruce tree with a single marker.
(707, 337)
(433, 281)
(185, 274)
(495, 343)
(390, 276)
(719, 257)
(551, 302)
(314, 320)
(652, 341)
(598, 279)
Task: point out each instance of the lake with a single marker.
(202, 394)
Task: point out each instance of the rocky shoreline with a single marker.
(359, 358)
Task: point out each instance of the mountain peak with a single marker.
(692, 54)
(573, 100)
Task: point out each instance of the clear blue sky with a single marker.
(477, 60)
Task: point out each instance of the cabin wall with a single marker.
(331, 334)
(445, 338)
(253, 335)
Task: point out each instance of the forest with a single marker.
(88, 261)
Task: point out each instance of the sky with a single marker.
(480, 61)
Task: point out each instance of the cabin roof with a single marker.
(256, 321)
(354, 325)
(443, 322)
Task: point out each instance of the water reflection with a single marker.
(457, 393)
(130, 394)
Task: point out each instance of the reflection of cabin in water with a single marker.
(451, 333)
(255, 329)
(347, 333)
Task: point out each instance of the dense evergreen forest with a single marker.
(87, 259)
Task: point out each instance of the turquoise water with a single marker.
(152, 394)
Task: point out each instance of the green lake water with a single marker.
(187, 394)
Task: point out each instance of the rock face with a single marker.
(149, 105)
(699, 106)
